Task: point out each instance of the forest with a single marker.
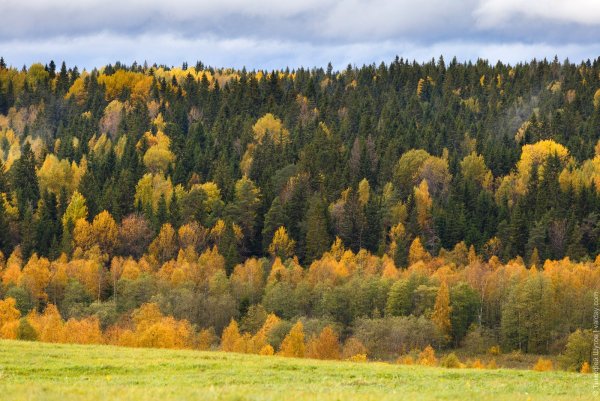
(368, 212)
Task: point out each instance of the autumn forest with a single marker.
(383, 212)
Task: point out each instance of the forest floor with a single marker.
(62, 372)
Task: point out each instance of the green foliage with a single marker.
(578, 350)
(25, 331)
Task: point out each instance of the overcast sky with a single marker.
(278, 33)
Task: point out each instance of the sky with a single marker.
(272, 34)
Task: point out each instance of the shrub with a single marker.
(451, 361)
(476, 364)
(543, 365)
(427, 357)
(494, 350)
(267, 350)
(585, 368)
(358, 358)
(405, 360)
(353, 347)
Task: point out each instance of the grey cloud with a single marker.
(275, 33)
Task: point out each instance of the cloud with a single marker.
(275, 33)
(492, 13)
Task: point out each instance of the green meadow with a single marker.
(61, 372)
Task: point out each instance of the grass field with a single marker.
(38, 371)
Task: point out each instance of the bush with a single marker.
(494, 350)
(543, 365)
(406, 360)
(358, 358)
(451, 361)
(476, 364)
(578, 350)
(427, 357)
(353, 347)
(585, 368)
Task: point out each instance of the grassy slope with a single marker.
(37, 371)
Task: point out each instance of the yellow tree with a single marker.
(83, 234)
(272, 127)
(442, 310)
(417, 253)
(9, 318)
(259, 342)
(282, 245)
(164, 247)
(230, 337)
(36, 277)
(293, 344)
(364, 191)
(105, 231)
(423, 203)
(325, 346)
(247, 280)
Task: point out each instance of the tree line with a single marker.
(188, 187)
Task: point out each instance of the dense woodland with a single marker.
(400, 205)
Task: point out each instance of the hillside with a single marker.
(73, 372)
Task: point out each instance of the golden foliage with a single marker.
(543, 365)
(271, 127)
(442, 310)
(36, 276)
(585, 368)
(325, 346)
(282, 245)
(230, 337)
(427, 357)
(293, 344)
(9, 318)
(417, 253)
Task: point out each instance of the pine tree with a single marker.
(317, 239)
(24, 180)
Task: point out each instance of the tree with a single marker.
(164, 247)
(317, 239)
(244, 208)
(293, 344)
(442, 311)
(464, 306)
(270, 126)
(134, 235)
(423, 205)
(274, 219)
(105, 231)
(230, 337)
(417, 253)
(36, 277)
(325, 346)
(24, 180)
(9, 318)
(282, 246)
(578, 350)
(76, 209)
